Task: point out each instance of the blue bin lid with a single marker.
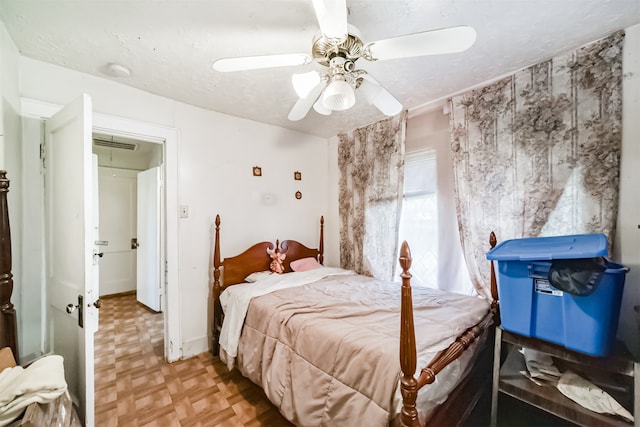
(549, 248)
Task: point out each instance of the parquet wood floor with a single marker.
(134, 386)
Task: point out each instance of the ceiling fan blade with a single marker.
(332, 18)
(302, 107)
(446, 40)
(377, 95)
(303, 83)
(258, 62)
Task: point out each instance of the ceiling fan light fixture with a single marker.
(320, 108)
(303, 83)
(338, 46)
(338, 95)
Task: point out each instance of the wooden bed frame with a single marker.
(461, 402)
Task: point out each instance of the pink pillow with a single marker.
(305, 264)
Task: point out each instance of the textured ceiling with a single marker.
(170, 46)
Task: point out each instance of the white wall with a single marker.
(10, 106)
(10, 160)
(118, 191)
(216, 154)
(627, 244)
(332, 218)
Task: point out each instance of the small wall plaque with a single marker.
(297, 176)
(298, 195)
(257, 171)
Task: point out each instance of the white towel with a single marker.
(590, 396)
(41, 382)
(540, 366)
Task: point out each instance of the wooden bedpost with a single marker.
(8, 317)
(494, 284)
(428, 374)
(408, 384)
(217, 308)
(321, 245)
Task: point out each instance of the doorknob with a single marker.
(97, 303)
(71, 308)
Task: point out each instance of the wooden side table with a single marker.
(507, 379)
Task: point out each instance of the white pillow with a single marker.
(254, 277)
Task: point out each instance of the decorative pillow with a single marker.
(305, 264)
(254, 277)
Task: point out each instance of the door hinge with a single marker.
(42, 159)
(43, 130)
(81, 311)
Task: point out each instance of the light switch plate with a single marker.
(184, 211)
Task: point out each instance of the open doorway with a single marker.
(34, 112)
(131, 230)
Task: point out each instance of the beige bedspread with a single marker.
(327, 353)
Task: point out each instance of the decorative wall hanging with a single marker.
(257, 171)
(538, 153)
(298, 195)
(297, 176)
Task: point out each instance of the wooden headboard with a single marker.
(256, 258)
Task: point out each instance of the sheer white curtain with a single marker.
(419, 218)
(428, 135)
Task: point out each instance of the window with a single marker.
(419, 217)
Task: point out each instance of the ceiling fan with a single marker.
(337, 47)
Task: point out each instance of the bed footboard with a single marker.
(409, 385)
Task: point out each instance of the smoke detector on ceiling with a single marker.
(117, 70)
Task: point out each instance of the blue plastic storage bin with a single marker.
(531, 306)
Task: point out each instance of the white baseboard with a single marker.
(194, 347)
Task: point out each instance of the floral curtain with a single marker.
(538, 153)
(371, 163)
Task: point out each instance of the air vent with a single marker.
(115, 144)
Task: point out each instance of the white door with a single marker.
(118, 212)
(71, 259)
(149, 289)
